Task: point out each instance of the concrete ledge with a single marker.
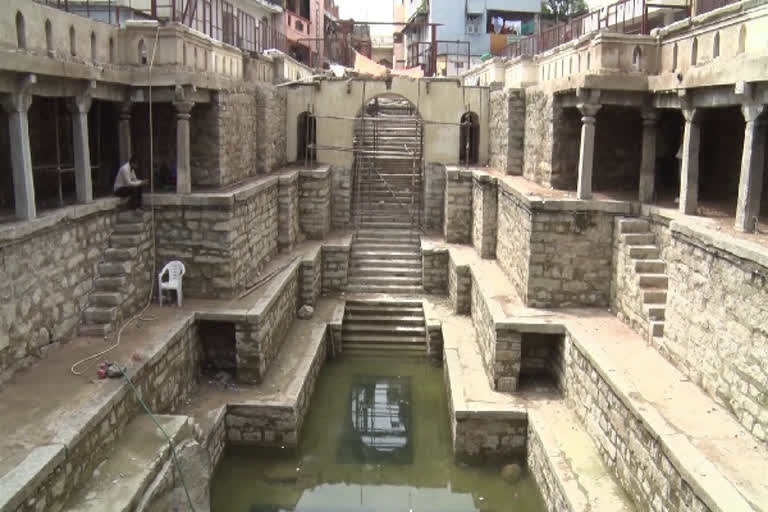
(531, 201)
(227, 197)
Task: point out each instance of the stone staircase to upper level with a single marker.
(114, 287)
(643, 301)
(384, 325)
(386, 258)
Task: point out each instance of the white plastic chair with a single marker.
(175, 270)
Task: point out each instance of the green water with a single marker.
(376, 439)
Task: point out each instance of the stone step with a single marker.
(99, 315)
(655, 312)
(382, 263)
(644, 252)
(94, 330)
(363, 339)
(129, 228)
(110, 284)
(105, 299)
(654, 296)
(656, 327)
(112, 268)
(406, 305)
(633, 226)
(386, 225)
(136, 459)
(399, 289)
(388, 246)
(131, 216)
(120, 254)
(364, 270)
(356, 348)
(385, 232)
(354, 328)
(390, 319)
(639, 238)
(650, 266)
(123, 241)
(364, 279)
(387, 239)
(653, 280)
(399, 255)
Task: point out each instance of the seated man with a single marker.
(127, 185)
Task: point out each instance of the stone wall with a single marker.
(139, 287)
(541, 470)
(434, 196)
(240, 132)
(484, 212)
(630, 449)
(341, 197)
(288, 212)
(507, 130)
(457, 215)
(311, 278)
(513, 245)
(164, 380)
(47, 270)
(459, 287)
(626, 294)
(259, 337)
(335, 267)
(566, 142)
(485, 330)
(716, 319)
(434, 270)
(315, 203)
(254, 233)
(271, 112)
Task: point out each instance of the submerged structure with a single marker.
(397, 293)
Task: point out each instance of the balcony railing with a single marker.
(450, 58)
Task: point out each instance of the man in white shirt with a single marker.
(127, 185)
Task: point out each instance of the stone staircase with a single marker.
(386, 258)
(648, 273)
(384, 325)
(111, 296)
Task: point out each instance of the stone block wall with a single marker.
(513, 240)
(311, 278)
(541, 470)
(632, 451)
(288, 212)
(626, 296)
(716, 327)
(507, 130)
(271, 112)
(566, 142)
(341, 197)
(254, 233)
(459, 287)
(570, 261)
(140, 281)
(259, 337)
(485, 329)
(240, 131)
(457, 215)
(434, 196)
(484, 212)
(164, 381)
(47, 270)
(335, 267)
(434, 270)
(315, 203)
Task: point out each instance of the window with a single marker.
(742, 39)
(111, 50)
(72, 45)
(306, 136)
(473, 24)
(469, 140)
(93, 47)
(716, 46)
(695, 51)
(49, 38)
(142, 52)
(21, 33)
(674, 57)
(637, 56)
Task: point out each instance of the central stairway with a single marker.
(384, 325)
(385, 259)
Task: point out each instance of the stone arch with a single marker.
(21, 31)
(72, 41)
(469, 139)
(695, 51)
(306, 137)
(49, 38)
(742, 39)
(716, 46)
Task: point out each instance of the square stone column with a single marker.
(689, 173)
(79, 107)
(17, 105)
(183, 160)
(586, 149)
(648, 161)
(124, 132)
(752, 165)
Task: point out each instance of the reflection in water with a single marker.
(376, 439)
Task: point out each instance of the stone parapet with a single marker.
(434, 265)
(434, 196)
(315, 202)
(507, 122)
(484, 214)
(311, 278)
(457, 214)
(459, 287)
(288, 234)
(335, 261)
(341, 197)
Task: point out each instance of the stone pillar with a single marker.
(17, 105)
(183, 161)
(586, 149)
(124, 132)
(648, 161)
(752, 164)
(79, 107)
(689, 173)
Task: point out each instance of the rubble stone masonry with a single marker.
(434, 196)
(457, 227)
(507, 130)
(513, 246)
(341, 197)
(484, 211)
(315, 203)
